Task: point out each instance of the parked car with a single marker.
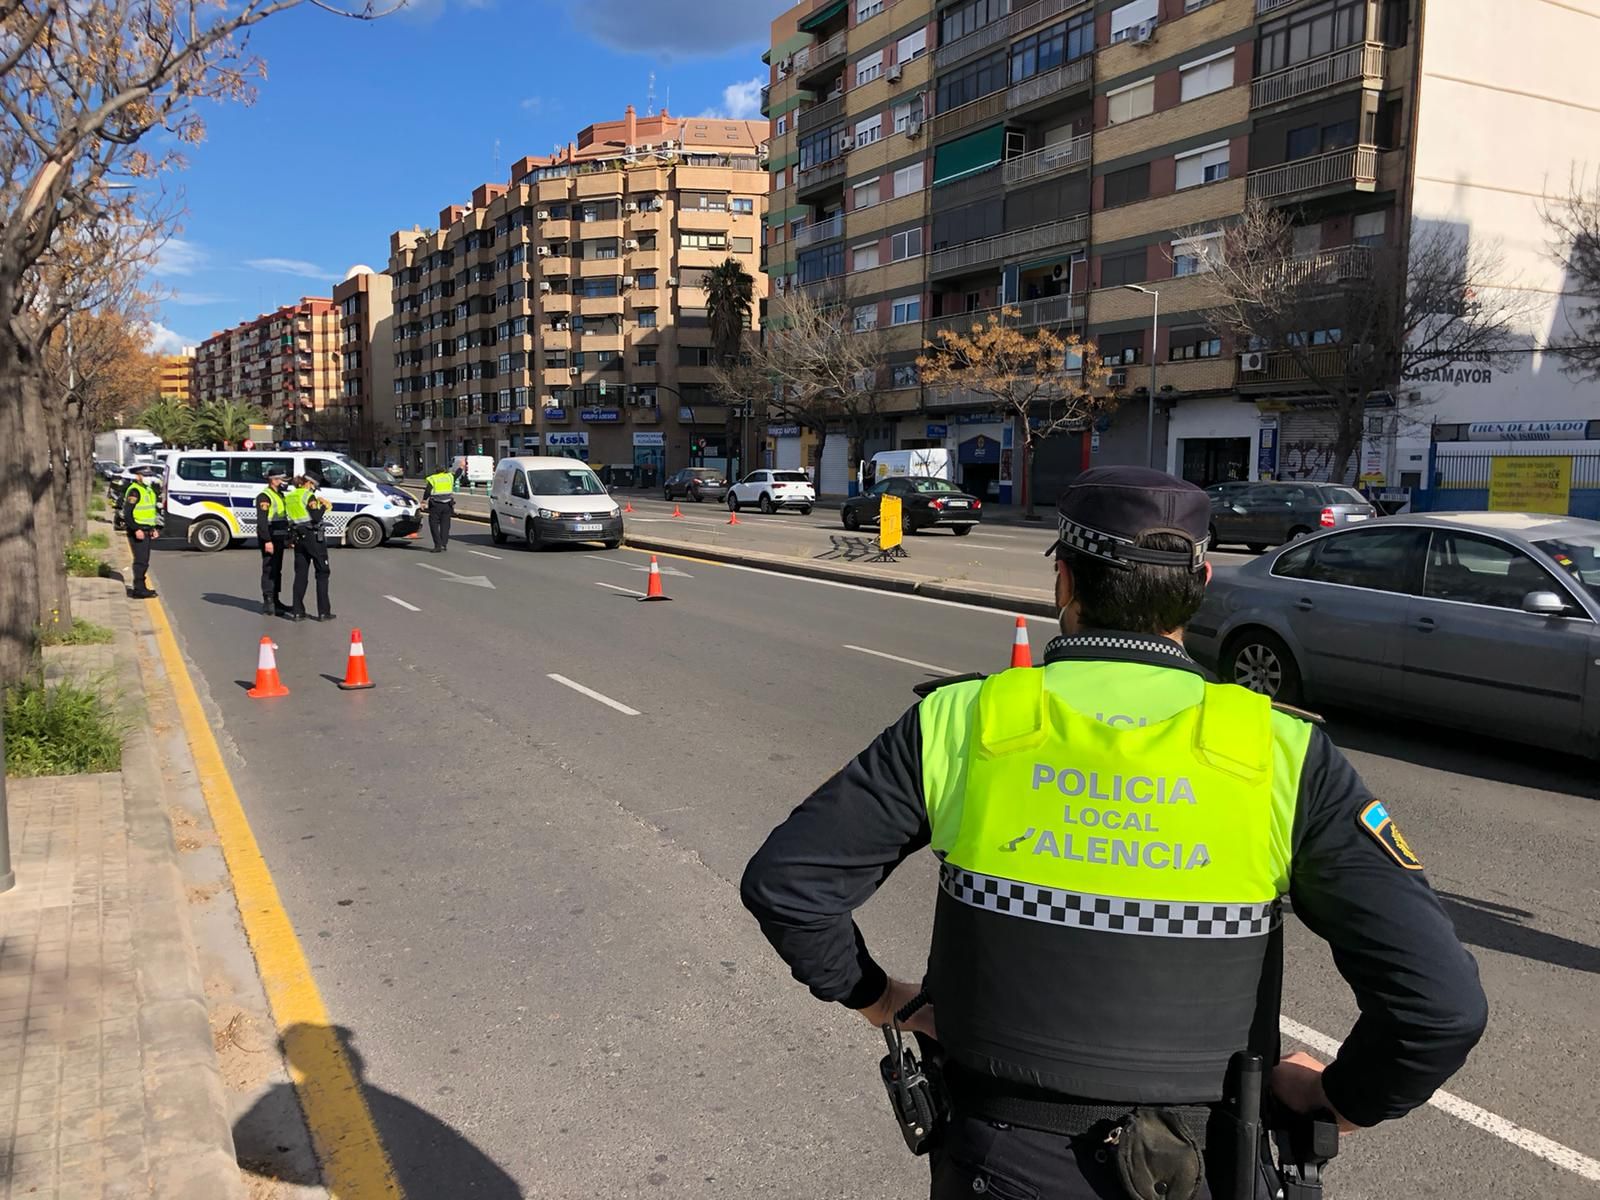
(393, 470)
(925, 503)
(543, 500)
(1232, 487)
(106, 469)
(697, 484)
(772, 490)
(1267, 514)
(1486, 621)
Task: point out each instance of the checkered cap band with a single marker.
(1108, 914)
(1096, 543)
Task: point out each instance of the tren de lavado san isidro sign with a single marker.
(1574, 430)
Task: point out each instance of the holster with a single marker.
(1157, 1158)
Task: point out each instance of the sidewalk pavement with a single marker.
(109, 1086)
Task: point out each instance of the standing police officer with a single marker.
(1116, 835)
(141, 517)
(439, 495)
(306, 511)
(272, 531)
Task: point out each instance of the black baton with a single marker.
(1247, 1128)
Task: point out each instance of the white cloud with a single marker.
(196, 298)
(686, 28)
(165, 341)
(178, 257)
(290, 266)
(533, 104)
(740, 101)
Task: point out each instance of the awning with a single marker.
(822, 16)
(969, 155)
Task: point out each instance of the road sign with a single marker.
(248, 444)
(890, 534)
(701, 443)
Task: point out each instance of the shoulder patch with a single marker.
(924, 690)
(1375, 819)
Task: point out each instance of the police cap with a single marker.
(276, 473)
(141, 469)
(1106, 511)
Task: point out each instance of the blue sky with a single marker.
(363, 128)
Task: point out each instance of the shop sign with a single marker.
(938, 431)
(1529, 483)
(1527, 431)
(649, 439)
(601, 416)
(783, 431)
(559, 441)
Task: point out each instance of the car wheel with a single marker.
(850, 519)
(1255, 547)
(666, 494)
(1212, 540)
(805, 510)
(613, 543)
(694, 494)
(530, 534)
(961, 530)
(906, 527)
(363, 534)
(1258, 660)
(209, 535)
(1298, 532)
(496, 534)
(733, 503)
(766, 504)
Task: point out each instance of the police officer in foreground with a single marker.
(141, 517)
(272, 531)
(307, 511)
(439, 494)
(1116, 835)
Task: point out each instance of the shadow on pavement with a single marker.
(1499, 927)
(429, 1157)
(848, 549)
(224, 600)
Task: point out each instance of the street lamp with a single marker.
(1150, 414)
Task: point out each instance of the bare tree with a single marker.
(1346, 323)
(1573, 223)
(1044, 383)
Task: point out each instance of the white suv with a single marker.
(772, 490)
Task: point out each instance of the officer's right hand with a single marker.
(895, 997)
(267, 546)
(1297, 1083)
(138, 535)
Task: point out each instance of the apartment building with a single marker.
(564, 311)
(364, 299)
(285, 362)
(849, 218)
(177, 376)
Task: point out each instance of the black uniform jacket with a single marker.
(1422, 1007)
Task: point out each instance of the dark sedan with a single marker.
(697, 484)
(925, 503)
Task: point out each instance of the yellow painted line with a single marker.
(354, 1164)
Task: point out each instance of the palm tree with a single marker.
(227, 422)
(730, 298)
(170, 420)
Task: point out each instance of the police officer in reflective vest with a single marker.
(141, 517)
(306, 511)
(439, 495)
(272, 531)
(1115, 836)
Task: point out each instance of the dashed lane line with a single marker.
(614, 588)
(402, 603)
(910, 662)
(485, 554)
(594, 695)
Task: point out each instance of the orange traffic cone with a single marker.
(653, 591)
(676, 511)
(355, 671)
(1021, 652)
(733, 518)
(268, 684)
(628, 507)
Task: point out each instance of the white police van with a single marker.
(211, 496)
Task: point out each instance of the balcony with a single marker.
(815, 58)
(1365, 62)
(964, 257)
(766, 99)
(819, 176)
(1050, 310)
(1263, 7)
(825, 291)
(1353, 167)
(1331, 266)
(1022, 19)
(555, 302)
(820, 116)
(821, 231)
(1068, 77)
(1281, 367)
(984, 108)
(1050, 160)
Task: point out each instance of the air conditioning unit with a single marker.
(572, 371)
(543, 214)
(786, 64)
(672, 281)
(1254, 360)
(1116, 379)
(631, 244)
(1143, 32)
(544, 286)
(914, 127)
(847, 141)
(895, 72)
(627, 281)
(544, 251)
(630, 207)
(563, 326)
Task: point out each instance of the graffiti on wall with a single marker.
(1305, 459)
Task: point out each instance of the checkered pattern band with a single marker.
(1096, 543)
(1108, 914)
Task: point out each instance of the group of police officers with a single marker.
(291, 514)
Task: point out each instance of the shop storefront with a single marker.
(1220, 438)
(568, 444)
(649, 457)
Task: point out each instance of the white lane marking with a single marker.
(403, 604)
(594, 695)
(910, 662)
(613, 587)
(856, 587)
(665, 568)
(482, 554)
(1464, 1110)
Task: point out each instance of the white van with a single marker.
(931, 463)
(473, 469)
(545, 500)
(211, 496)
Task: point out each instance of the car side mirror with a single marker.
(1544, 604)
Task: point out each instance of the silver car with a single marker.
(1486, 621)
(1268, 514)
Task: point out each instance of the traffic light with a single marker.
(602, 389)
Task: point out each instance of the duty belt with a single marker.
(987, 1099)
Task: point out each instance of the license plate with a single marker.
(956, 504)
(587, 527)
(1356, 517)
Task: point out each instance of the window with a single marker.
(254, 470)
(1049, 48)
(864, 195)
(646, 318)
(818, 148)
(204, 470)
(1196, 256)
(968, 83)
(742, 245)
(647, 356)
(869, 68)
(913, 45)
(694, 356)
(1121, 349)
(334, 476)
(1476, 570)
(1307, 238)
(1368, 228)
(1193, 343)
(870, 130)
(1127, 103)
(781, 125)
(1126, 20)
(903, 375)
(906, 244)
(907, 112)
(1310, 33)
(867, 9)
(958, 22)
(742, 204)
(1206, 165)
(1209, 75)
(908, 179)
(703, 241)
(906, 310)
(1380, 559)
(821, 264)
(1127, 186)
(864, 257)
(1319, 139)
(866, 317)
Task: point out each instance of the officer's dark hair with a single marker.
(1146, 599)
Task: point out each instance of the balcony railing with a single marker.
(1363, 61)
(819, 116)
(1356, 166)
(820, 174)
(1062, 156)
(1263, 7)
(1064, 78)
(1005, 245)
(1331, 266)
(1281, 366)
(984, 108)
(1020, 21)
(766, 98)
(1049, 310)
(813, 58)
(821, 231)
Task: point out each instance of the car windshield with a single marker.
(789, 477)
(1579, 557)
(1343, 495)
(364, 472)
(934, 486)
(556, 482)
